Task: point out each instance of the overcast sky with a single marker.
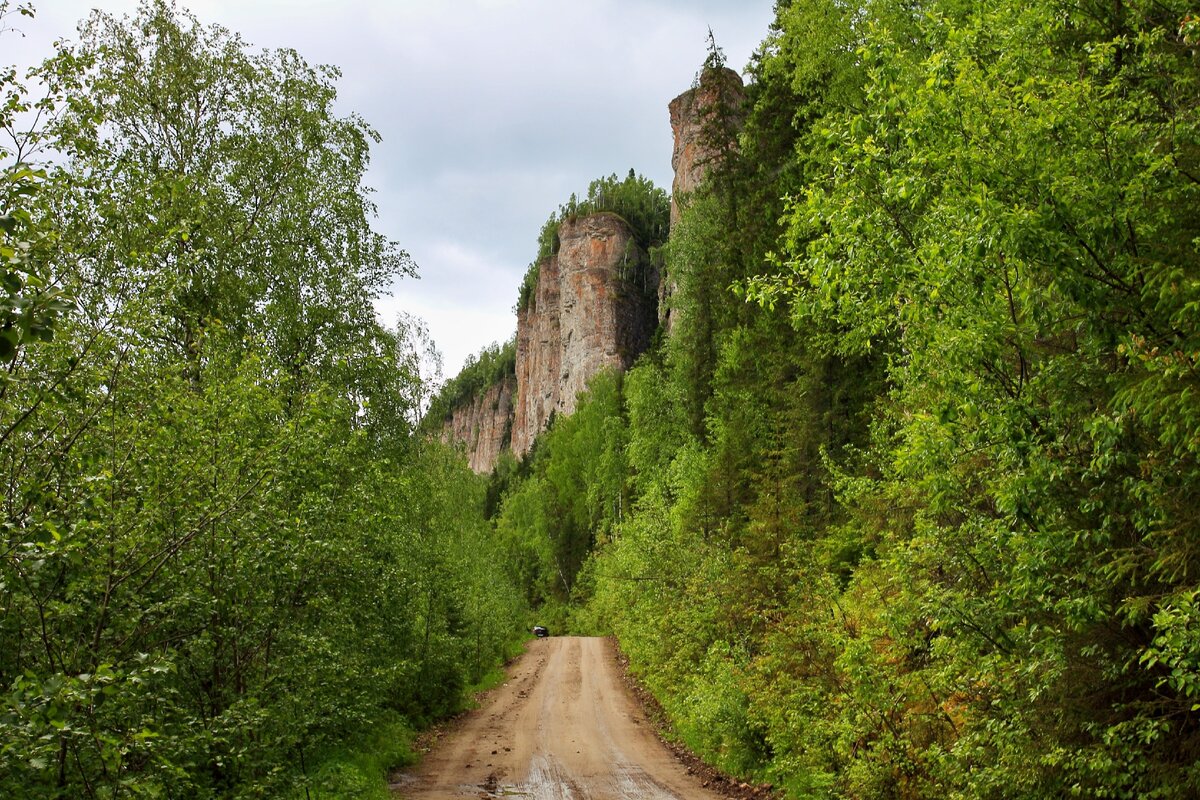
(492, 113)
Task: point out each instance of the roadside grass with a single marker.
(496, 675)
(360, 769)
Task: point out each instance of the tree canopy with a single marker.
(226, 557)
(644, 206)
(904, 504)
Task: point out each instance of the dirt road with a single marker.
(563, 727)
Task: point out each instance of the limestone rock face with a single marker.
(539, 358)
(701, 133)
(599, 299)
(483, 426)
(593, 309)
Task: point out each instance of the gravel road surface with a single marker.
(563, 727)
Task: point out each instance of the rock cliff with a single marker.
(483, 425)
(598, 300)
(593, 309)
(704, 120)
(539, 357)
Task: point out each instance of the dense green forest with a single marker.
(228, 565)
(906, 505)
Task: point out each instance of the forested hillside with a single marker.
(905, 506)
(228, 566)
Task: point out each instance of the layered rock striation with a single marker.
(483, 425)
(598, 300)
(539, 357)
(594, 308)
(704, 121)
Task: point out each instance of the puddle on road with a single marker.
(548, 781)
(492, 788)
(633, 782)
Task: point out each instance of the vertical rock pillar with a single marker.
(704, 121)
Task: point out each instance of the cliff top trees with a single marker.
(635, 199)
(493, 364)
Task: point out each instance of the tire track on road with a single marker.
(563, 727)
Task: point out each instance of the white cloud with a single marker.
(492, 112)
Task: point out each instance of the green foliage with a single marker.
(494, 364)
(635, 199)
(30, 302)
(225, 553)
(571, 496)
(30, 305)
(920, 521)
(359, 770)
(972, 220)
